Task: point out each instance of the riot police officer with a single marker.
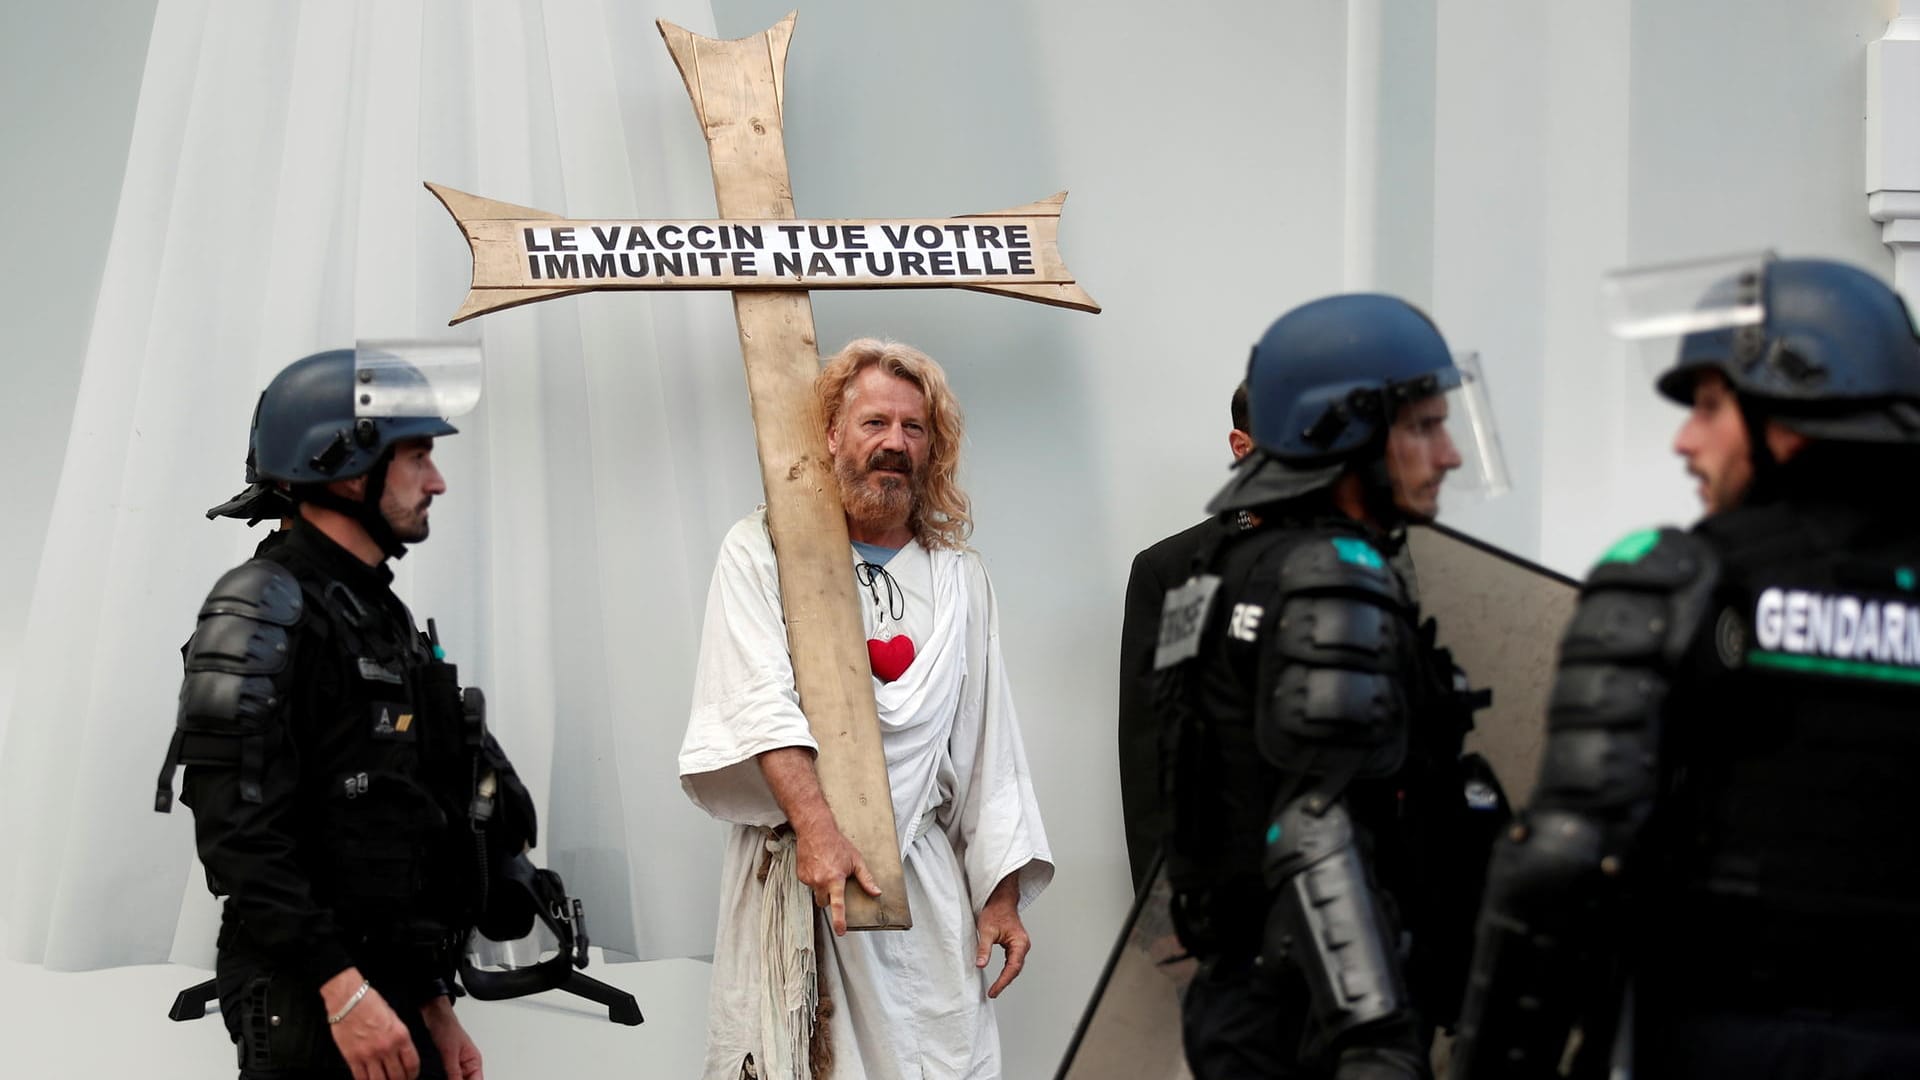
(1314, 729)
(1718, 874)
(332, 761)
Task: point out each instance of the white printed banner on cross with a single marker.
(521, 255)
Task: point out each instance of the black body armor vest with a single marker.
(1788, 822)
(391, 847)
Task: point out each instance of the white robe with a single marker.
(907, 1004)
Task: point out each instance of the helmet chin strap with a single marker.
(365, 510)
(1376, 490)
(371, 518)
(1766, 467)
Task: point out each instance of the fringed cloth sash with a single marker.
(791, 988)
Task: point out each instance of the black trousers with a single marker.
(279, 1028)
(1246, 1021)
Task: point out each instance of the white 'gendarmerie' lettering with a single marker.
(1839, 626)
(1245, 623)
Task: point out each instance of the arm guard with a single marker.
(1326, 920)
(1333, 707)
(232, 663)
(1554, 890)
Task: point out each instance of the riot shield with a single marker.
(1502, 617)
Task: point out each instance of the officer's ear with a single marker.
(1783, 441)
(1240, 443)
(354, 489)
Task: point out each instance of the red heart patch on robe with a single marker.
(890, 658)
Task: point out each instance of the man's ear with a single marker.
(833, 438)
(1784, 442)
(354, 489)
(1240, 443)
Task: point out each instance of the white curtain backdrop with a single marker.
(272, 207)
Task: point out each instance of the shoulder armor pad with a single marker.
(243, 624)
(234, 664)
(1666, 559)
(1340, 606)
(1337, 653)
(239, 647)
(259, 589)
(1644, 600)
(1328, 562)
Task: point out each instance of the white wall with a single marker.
(1519, 149)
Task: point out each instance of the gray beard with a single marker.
(892, 502)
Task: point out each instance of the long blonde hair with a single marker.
(940, 518)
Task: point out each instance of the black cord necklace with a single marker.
(873, 576)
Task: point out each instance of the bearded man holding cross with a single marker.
(890, 1003)
(935, 778)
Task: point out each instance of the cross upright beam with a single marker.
(737, 89)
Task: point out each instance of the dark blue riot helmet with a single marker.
(311, 431)
(1834, 353)
(337, 415)
(1324, 383)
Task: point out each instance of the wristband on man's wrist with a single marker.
(351, 1002)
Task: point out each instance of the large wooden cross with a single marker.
(769, 259)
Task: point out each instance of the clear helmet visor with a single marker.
(1652, 308)
(1674, 299)
(1443, 448)
(415, 379)
(538, 946)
